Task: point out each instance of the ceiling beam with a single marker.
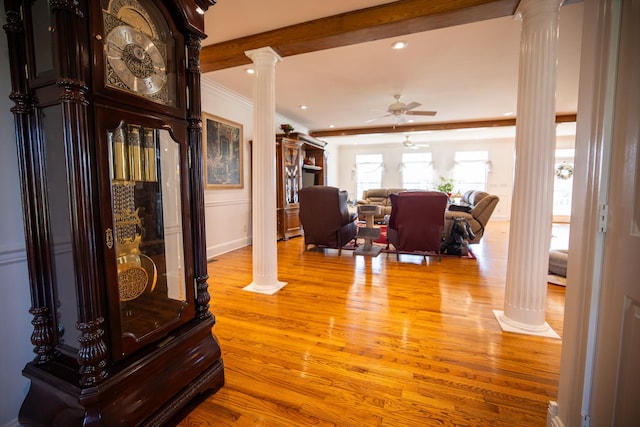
(320, 133)
(379, 22)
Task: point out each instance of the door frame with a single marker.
(598, 70)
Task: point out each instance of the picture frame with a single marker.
(223, 152)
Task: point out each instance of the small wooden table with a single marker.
(369, 233)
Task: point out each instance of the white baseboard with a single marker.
(223, 248)
(552, 415)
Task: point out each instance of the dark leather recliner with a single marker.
(325, 218)
(417, 221)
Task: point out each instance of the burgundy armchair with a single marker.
(416, 222)
(325, 218)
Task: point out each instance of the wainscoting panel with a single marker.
(228, 225)
(12, 255)
(17, 349)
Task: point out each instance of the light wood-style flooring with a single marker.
(355, 341)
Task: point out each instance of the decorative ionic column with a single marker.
(264, 222)
(532, 203)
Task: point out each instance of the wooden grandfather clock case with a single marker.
(108, 127)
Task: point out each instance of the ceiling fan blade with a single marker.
(377, 118)
(412, 105)
(421, 113)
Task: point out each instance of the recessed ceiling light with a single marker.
(510, 113)
(303, 107)
(399, 45)
(250, 71)
(331, 126)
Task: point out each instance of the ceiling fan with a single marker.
(399, 109)
(408, 144)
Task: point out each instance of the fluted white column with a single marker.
(264, 222)
(532, 203)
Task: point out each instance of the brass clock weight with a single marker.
(133, 160)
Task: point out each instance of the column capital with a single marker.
(263, 55)
(530, 8)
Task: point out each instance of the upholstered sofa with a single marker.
(380, 197)
(476, 207)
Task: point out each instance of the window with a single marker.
(368, 172)
(470, 170)
(417, 171)
(563, 185)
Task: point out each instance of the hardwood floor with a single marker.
(355, 341)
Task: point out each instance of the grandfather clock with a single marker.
(108, 127)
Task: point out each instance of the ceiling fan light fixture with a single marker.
(400, 44)
(408, 144)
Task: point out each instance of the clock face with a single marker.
(136, 60)
(136, 51)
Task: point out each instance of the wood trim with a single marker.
(358, 26)
(421, 127)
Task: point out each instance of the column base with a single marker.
(265, 289)
(509, 325)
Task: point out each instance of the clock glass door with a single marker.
(147, 235)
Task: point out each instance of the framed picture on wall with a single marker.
(222, 152)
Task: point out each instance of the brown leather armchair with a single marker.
(416, 222)
(325, 218)
(478, 207)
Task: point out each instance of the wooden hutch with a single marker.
(300, 162)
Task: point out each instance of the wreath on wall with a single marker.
(564, 170)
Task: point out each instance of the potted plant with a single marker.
(446, 185)
(286, 128)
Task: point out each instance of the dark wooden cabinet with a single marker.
(108, 126)
(300, 161)
(289, 181)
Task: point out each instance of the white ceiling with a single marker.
(467, 72)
